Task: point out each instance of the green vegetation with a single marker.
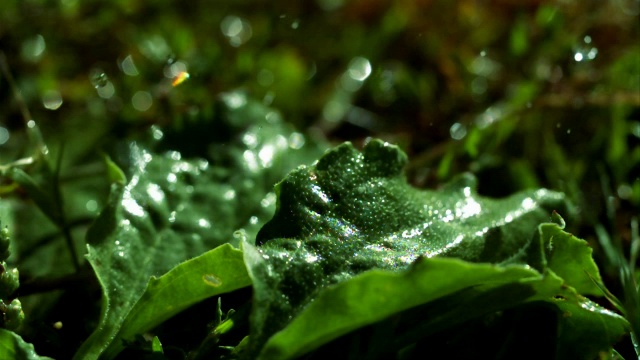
(205, 180)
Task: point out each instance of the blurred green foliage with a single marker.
(524, 94)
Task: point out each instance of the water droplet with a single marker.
(234, 100)
(31, 124)
(236, 29)
(204, 223)
(91, 205)
(107, 91)
(334, 110)
(156, 132)
(578, 56)
(253, 220)
(250, 139)
(625, 191)
(33, 48)
(230, 194)
(458, 131)
(211, 280)
(265, 77)
(296, 140)
(266, 155)
(52, 100)
(98, 78)
(295, 24)
(128, 66)
(587, 39)
(141, 100)
(359, 68)
(4, 135)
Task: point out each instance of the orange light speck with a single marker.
(180, 78)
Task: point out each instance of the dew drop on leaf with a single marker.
(211, 280)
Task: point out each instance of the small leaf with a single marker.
(13, 347)
(156, 346)
(114, 173)
(180, 288)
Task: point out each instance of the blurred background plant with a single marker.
(524, 94)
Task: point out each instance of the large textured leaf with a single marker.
(215, 272)
(174, 209)
(354, 211)
(13, 347)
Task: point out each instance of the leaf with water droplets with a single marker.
(352, 212)
(173, 209)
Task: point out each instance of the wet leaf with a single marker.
(172, 209)
(215, 272)
(352, 212)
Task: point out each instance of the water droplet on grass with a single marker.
(52, 100)
(98, 78)
(458, 131)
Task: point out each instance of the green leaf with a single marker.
(215, 272)
(570, 258)
(353, 211)
(13, 347)
(172, 209)
(156, 345)
(455, 292)
(114, 173)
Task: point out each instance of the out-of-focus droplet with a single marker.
(52, 100)
(458, 131)
(156, 132)
(234, 100)
(155, 48)
(296, 140)
(488, 117)
(236, 29)
(91, 205)
(359, 68)
(265, 77)
(334, 110)
(33, 48)
(128, 66)
(98, 78)
(141, 100)
(106, 91)
(295, 24)
(174, 69)
(4, 135)
(625, 191)
(578, 57)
